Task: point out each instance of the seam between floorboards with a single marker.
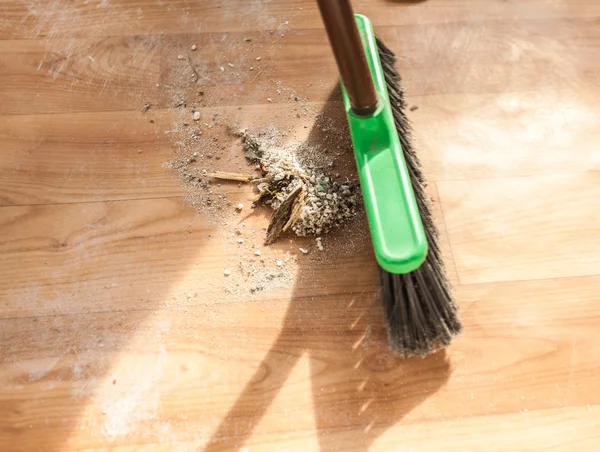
(141, 310)
(317, 26)
(519, 176)
(89, 202)
(509, 281)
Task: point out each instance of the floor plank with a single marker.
(124, 69)
(525, 431)
(460, 136)
(109, 156)
(36, 19)
(74, 75)
(523, 228)
(119, 155)
(71, 257)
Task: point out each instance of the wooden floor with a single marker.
(101, 345)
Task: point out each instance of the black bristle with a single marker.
(421, 314)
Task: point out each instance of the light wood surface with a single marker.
(117, 329)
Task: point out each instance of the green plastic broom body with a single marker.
(396, 229)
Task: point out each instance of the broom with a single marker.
(419, 310)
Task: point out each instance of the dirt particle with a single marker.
(319, 244)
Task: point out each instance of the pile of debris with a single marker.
(295, 183)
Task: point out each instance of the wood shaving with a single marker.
(285, 215)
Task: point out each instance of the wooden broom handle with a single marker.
(349, 54)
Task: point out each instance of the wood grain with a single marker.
(534, 133)
(73, 75)
(113, 155)
(513, 357)
(38, 19)
(68, 254)
(118, 329)
(523, 228)
(531, 60)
